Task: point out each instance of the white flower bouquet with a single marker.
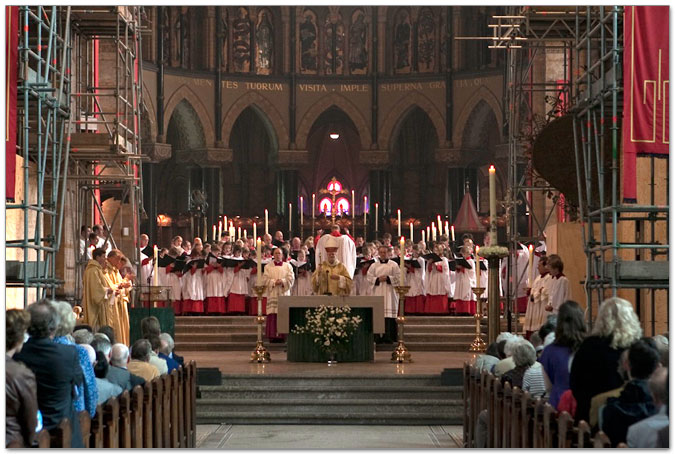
(332, 327)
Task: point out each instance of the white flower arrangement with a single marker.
(493, 251)
(332, 327)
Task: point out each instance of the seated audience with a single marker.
(21, 404)
(165, 351)
(108, 331)
(82, 336)
(118, 373)
(569, 333)
(507, 363)
(106, 389)
(150, 325)
(489, 359)
(155, 360)
(524, 356)
(533, 380)
(140, 360)
(635, 401)
(594, 368)
(644, 434)
(56, 367)
(599, 400)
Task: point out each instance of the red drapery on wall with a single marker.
(646, 86)
(12, 53)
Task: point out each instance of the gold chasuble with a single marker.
(323, 283)
(94, 301)
(118, 316)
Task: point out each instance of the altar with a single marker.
(302, 348)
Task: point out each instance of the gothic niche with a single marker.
(402, 42)
(358, 43)
(180, 37)
(334, 43)
(264, 43)
(309, 44)
(241, 41)
(224, 38)
(426, 42)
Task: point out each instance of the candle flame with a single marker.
(492, 168)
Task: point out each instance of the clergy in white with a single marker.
(346, 252)
(146, 262)
(278, 279)
(331, 276)
(383, 276)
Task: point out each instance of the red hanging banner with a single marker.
(12, 54)
(646, 87)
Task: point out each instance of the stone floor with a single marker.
(226, 436)
(238, 363)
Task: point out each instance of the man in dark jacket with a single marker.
(635, 401)
(118, 373)
(56, 367)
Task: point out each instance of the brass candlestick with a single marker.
(401, 353)
(260, 354)
(478, 344)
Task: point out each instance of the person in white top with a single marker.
(414, 299)
(170, 277)
(437, 284)
(465, 279)
(361, 286)
(278, 279)
(238, 279)
(383, 276)
(559, 286)
(303, 282)
(536, 313)
(519, 266)
(346, 253)
(146, 262)
(193, 285)
(214, 282)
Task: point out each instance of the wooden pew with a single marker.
(61, 436)
(190, 394)
(148, 421)
(193, 404)
(466, 432)
(488, 391)
(182, 439)
(538, 424)
(124, 440)
(111, 418)
(157, 402)
(516, 403)
(96, 440)
(475, 402)
(136, 417)
(43, 439)
(527, 420)
(567, 432)
(584, 435)
(174, 437)
(498, 405)
(601, 440)
(507, 415)
(550, 426)
(85, 427)
(622, 445)
(167, 390)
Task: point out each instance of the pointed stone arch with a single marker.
(392, 122)
(270, 114)
(324, 104)
(482, 94)
(184, 92)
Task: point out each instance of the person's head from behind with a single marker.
(108, 331)
(141, 349)
(537, 342)
(571, 326)
(83, 337)
(523, 353)
(617, 321)
(643, 360)
(492, 350)
(658, 386)
(662, 345)
(101, 365)
(17, 322)
(167, 343)
(103, 345)
(66, 318)
(43, 320)
(155, 343)
(511, 344)
(149, 326)
(119, 355)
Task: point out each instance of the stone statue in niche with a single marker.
(224, 29)
(175, 38)
(358, 38)
(241, 41)
(426, 42)
(335, 39)
(166, 36)
(264, 44)
(185, 38)
(308, 44)
(402, 43)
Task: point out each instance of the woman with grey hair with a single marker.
(524, 356)
(86, 394)
(596, 363)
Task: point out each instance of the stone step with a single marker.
(224, 336)
(333, 393)
(214, 319)
(437, 337)
(330, 381)
(437, 346)
(234, 346)
(438, 320)
(464, 328)
(406, 418)
(216, 328)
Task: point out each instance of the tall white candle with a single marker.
(267, 230)
(245, 234)
(531, 251)
(398, 217)
(424, 238)
(376, 214)
(365, 210)
(353, 208)
(428, 233)
(313, 207)
(155, 269)
(225, 223)
(220, 229)
(302, 208)
(258, 256)
(239, 233)
(255, 229)
(412, 240)
(493, 205)
(401, 255)
(290, 217)
(452, 231)
(477, 267)
(214, 233)
(433, 231)
(440, 225)
(447, 230)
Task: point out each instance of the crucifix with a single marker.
(333, 192)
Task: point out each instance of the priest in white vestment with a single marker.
(346, 253)
(278, 279)
(383, 276)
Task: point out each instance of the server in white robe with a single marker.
(437, 283)
(465, 279)
(214, 283)
(559, 285)
(147, 267)
(519, 274)
(536, 313)
(278, 279)
(383, 276)
(414, 299)
(172, 277)
(193, 285)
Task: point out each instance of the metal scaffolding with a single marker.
(43, 113)
(106, 148)
(612, 264)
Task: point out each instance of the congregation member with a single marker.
(278, 280)
(595, 365)
(118, 372)
(331, 277)
(166, 352)
(155, 360)
(644, 434)
(99, 364)
(56, 368)
(21, 402)
(140, 361)
(524, 357)
(383, 276)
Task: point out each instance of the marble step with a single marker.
(214, 319)
(196, 345)
(297, 417)
(463, 328)
(216, 328)
(224, 336)
(438, 337)
(334, 393)
(329, 381)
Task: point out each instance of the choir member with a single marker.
(414, 300)
(303, 280)
(437, 283)
(193, 285)
(465, 279)
(238, 276)
(214, 282)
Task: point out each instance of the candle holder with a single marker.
(401, 353)
(260, 353)
(478, 344)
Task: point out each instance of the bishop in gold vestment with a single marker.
(118, 314)
(96, 292)
(331, 276)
